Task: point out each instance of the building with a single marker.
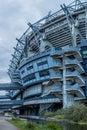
(47, 61)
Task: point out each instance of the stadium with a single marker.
(48, 67)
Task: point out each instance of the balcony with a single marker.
(52, 89)
(56, 76)
(16, 75)
(76, 89)
(75, 75)
(75, 62)
(16, 80)
(72, 51)
(56, 52)
(55, 65)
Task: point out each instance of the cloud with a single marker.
(14, 16)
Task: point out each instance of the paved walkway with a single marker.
(4, 125)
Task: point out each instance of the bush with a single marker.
(32, 126)
(46, 114)
(59, 117)
(76, 113)
(60, 112)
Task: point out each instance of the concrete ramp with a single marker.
(10, 86)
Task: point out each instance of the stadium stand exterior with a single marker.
(48, 64)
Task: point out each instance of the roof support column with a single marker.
(75, 32)
(73, 24)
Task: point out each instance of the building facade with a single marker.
(47, 61)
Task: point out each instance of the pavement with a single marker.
(5, 125)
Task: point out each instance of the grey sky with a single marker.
(14, 16)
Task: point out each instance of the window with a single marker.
(44, 73)
(23, 71)
(84, 52)
(42, 63)
(28, 78)
(30, 67)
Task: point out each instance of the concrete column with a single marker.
(64, 84)
(70, 99)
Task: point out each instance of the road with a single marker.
(4, 125)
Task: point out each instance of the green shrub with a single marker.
(60, 112)
(46, 114)
(76, 113)
(32, 126)
(59, 117)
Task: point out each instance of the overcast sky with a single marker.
(14, 16)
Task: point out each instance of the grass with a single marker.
(20, 124)
(59, 117)
(24, 125)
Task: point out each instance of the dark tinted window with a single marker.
(44, 73)
(30, 67)
(22, 72)
(42, 63)
(29, 77)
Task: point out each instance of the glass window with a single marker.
(30, 67)
(84, 52)
(23, 71)
(44, 73)
(42, 63)
(29, 77)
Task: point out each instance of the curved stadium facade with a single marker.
(47, 61)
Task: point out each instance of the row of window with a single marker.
(32, 90)
(42, 63)
(32, 76)
(31, 67)
(28, 78)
